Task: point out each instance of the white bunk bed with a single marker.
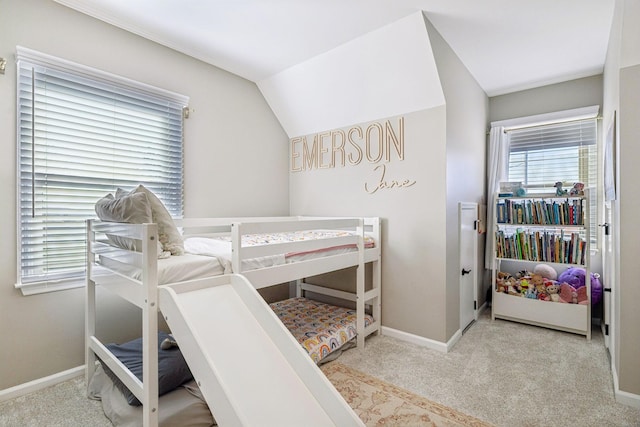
(140, 277)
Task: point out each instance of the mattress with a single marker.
(220, 247)
(322, 329)
(184, 406)
(172, 269)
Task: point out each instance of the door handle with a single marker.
(465, 271)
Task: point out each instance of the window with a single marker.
(81, 134)
(542, 155)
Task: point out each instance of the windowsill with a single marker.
(45, 287)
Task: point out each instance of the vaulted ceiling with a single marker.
(507, 45)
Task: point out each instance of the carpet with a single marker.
(379, 403)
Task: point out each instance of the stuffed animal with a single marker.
(577, 190)
(575, 277)
(568, 294)
(511, 283)
(546, 271)
(553, 290)
(501, 281)
(532, 292)
(559, 190)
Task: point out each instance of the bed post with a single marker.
(150, 326)
(89, 308)
(236, 246)
(360, 297)
(377, 276)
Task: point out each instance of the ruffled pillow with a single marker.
(128, 208)
(168, 234)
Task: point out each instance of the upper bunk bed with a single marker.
(127, 259)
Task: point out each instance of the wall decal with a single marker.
(383, 183)
(378, 143)
(338, 148)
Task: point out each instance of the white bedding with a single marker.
(172, 269)
(207, 257)
(184, 406)
(220, 248)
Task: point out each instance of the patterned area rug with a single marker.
(379, 403)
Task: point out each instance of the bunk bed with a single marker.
(139, 273)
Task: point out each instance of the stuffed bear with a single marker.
(575, 277)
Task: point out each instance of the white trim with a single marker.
(548, 118)
(50, 286)
(33, 56)
(40, 383)
(422, 341)
(623, 397)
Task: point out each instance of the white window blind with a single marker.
(540, 156)
(82, 134)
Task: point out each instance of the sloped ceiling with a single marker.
(507, 45)
(363, 79)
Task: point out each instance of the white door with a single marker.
(608, 278)
(468, 244)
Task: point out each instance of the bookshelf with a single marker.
(541, 229)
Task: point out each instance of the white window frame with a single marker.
(582, 113)
(47, 282)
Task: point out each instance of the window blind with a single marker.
(540, 156)
(81, 136)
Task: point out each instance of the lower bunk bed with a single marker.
(323, 330)
(137, 275)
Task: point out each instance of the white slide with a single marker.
(250, 369)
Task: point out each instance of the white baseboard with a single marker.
(39, 384)
(623, 397)
(422, 341)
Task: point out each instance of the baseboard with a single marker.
(40, 383)
(623, 397)
(422, 341)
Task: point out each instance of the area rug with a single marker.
(379, 403)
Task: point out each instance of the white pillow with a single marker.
(168, 234)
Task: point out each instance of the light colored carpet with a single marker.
(503, 373)
(507, 374)
(62, 405)
(379, 403)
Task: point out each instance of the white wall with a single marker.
(384, 73)
(420, 257)
(232, 142)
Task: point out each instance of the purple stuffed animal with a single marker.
(575, 277)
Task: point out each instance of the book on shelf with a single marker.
(540, 212)
(545, 246)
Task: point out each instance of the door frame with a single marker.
(474, 262)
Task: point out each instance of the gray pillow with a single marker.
(173, 370)
(168, 234)
(132, 208)
(129, 208)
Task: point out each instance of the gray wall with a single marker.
(557, 97)
(467, 110)
(231, 129)
(621, 89)
(628, 337)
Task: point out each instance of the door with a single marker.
(608, 278)
(468, 247)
